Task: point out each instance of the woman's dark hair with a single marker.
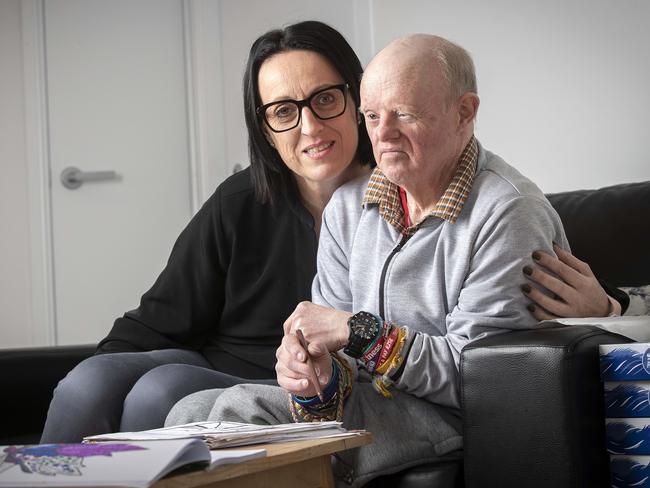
(271, 177)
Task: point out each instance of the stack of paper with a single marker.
(231, 434)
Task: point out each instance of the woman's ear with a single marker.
(269, 139)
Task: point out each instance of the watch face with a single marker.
(364, 326)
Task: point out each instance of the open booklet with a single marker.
(117, 464)
(231, 434)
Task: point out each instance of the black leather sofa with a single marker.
(531, 400)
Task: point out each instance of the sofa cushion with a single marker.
(609, 228)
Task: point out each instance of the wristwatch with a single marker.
(364, 328)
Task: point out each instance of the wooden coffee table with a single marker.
(304, 464)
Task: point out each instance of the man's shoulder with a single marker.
(497, 181)
(350, 194)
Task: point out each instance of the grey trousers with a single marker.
(407, 431)
(126, 392)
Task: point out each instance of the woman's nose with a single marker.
(310, 123)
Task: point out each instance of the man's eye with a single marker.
(371, 116)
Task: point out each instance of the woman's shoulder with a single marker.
(236, 184)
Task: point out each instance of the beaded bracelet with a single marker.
(333, 408)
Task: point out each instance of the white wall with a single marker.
(15, 269)
(563, 84)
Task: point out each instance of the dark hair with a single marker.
(271, 176)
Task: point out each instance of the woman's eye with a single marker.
(284, 111)
(325, 99)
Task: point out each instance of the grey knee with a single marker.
(252, 403)
(193, 408)
(150, 399)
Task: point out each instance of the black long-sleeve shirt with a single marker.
(235, 274)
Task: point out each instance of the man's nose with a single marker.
(387, 129)
(310, 123)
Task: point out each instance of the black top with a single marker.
(235, 274)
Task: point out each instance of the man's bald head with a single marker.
(418, 96)
(425, 55)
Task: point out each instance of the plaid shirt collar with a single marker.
(386, 194)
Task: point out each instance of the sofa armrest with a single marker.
(28, 377)
(533, 409)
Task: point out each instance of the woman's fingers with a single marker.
(547, 303)
(551, 283)
(572, 261)
(575, 290)
(562, 270)
(540, 314)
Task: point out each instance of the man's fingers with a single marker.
(295, 386)
(317, 349)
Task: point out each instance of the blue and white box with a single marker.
(630, 471)
(628, 436)
(627, 399)
(625, 362)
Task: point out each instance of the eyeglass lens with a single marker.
(325, 104)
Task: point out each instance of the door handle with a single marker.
(73, 178)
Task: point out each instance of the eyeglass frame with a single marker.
(305, 102)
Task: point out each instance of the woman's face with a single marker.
(317, 151)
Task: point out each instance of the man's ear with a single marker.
(467, 108)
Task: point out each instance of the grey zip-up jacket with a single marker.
(449, 283)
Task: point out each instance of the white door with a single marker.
(116, 90)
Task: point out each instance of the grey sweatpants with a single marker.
(407, 431)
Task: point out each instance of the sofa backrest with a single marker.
(609, 228)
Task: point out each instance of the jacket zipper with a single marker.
(382, 279)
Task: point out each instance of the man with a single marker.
(413, 264)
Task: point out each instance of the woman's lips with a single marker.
(318, 150)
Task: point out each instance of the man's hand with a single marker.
(292, 370)
(321, 325)
(576, 290)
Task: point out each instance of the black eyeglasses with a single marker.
(284, 115)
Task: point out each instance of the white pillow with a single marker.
(639, 300)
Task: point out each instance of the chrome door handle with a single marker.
(72, 177)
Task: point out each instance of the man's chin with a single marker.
(393, 170)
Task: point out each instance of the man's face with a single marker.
(414, 131)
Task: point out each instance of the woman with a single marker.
(215, 314)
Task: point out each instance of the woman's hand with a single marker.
(293, 371)
(575, 292)
(322, 325)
